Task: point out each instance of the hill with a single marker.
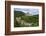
(34, 19)
(19, 13)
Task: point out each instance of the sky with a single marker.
(32, 11)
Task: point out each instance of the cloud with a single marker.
(30, 10)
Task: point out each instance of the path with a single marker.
(23, 22)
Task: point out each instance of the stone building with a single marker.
(28, 14)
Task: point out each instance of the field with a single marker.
(21, 20)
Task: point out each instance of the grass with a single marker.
(34, 19)
(29, 19)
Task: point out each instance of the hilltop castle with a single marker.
(28, 14)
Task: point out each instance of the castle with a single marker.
(28, 14)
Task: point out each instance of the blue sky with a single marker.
(30, 10)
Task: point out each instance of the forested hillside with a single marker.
(34, 19)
